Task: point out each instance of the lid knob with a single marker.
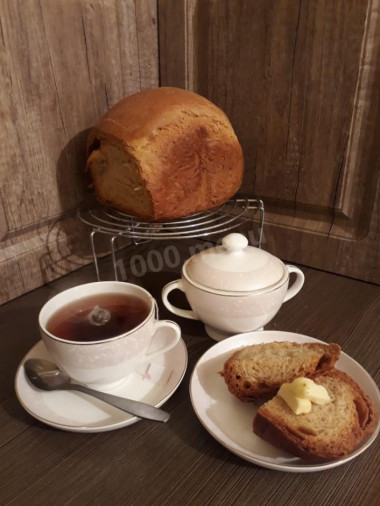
(234, 242)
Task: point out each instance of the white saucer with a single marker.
(77, 412)
(229, 420)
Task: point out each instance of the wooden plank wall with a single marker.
(300, 82)
(63, 63)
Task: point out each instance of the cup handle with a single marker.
(297, 285)
(186, 313)
(170, 341)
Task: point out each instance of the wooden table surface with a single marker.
(178, 462)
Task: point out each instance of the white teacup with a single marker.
(106, 363)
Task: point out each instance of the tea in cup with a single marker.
(98, 333)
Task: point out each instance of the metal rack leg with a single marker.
(261, 226)
(113, 252)
(92, 238)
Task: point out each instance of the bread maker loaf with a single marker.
(164, 153)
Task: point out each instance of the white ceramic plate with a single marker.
(229, 420)
(77, 412)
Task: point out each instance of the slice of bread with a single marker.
(258, 371)
(326, 433)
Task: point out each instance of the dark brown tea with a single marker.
(98, 317)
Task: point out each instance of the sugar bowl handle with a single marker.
(298, 283)
(185, 313)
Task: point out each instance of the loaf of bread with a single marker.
(329, 431)
(164, 153)
(258, 371)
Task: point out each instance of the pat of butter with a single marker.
(308, 389)
(299, 395)
(296, 404)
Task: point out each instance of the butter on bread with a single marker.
(258, 371)
(327, 432)
(306, 388)
(164, 153)
(301, 393)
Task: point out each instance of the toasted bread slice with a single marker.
(326, 433)
(258, 371)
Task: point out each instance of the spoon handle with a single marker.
(136, 408)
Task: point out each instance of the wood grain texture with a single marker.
(172, 29)
(179, 462)
(63, 65)
(299, 81)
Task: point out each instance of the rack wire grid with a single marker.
(116, 224)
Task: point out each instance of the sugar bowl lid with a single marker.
(235, 267)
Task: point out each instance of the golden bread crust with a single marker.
(180, 147)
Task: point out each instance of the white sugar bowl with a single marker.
(233, 288)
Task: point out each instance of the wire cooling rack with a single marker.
(116, 224)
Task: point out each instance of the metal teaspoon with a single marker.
(47, 376)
